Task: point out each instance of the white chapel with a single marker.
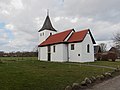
(66, 46)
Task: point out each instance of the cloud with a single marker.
(23, 19)
(17, 4)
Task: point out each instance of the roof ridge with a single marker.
(82, 30)
(63, 32)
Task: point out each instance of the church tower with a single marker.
(46, 30)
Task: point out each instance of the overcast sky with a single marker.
(20, 20)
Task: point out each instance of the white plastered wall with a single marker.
(43, 53)
(43, 35)
(81, 49)
(60, 54)
(87, 57)
(73, 54)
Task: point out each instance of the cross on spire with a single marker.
(47, 12)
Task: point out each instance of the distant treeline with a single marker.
(18, 54)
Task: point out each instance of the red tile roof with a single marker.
(60, 37)
(78, 36)
(56, 38)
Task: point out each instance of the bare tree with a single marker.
(35, 49)
(116, 39)
(103, 47)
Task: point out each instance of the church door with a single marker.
(49, 53)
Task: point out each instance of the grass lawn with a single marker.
(31, 74)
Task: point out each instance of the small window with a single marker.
(43, 33)
(88, 48)
(72, 47)
(50, 34)
(53, 48)
(40, 34)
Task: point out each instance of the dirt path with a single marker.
(98, 66)
(112, 84)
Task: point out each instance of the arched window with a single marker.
(53, 48)
(88, 48)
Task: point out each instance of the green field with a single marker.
(30, 74)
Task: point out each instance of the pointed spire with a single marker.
(47, 24)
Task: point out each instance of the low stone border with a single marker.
(88, 82)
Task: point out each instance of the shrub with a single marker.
(98, 56)
(104, 57)
(112, 56)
